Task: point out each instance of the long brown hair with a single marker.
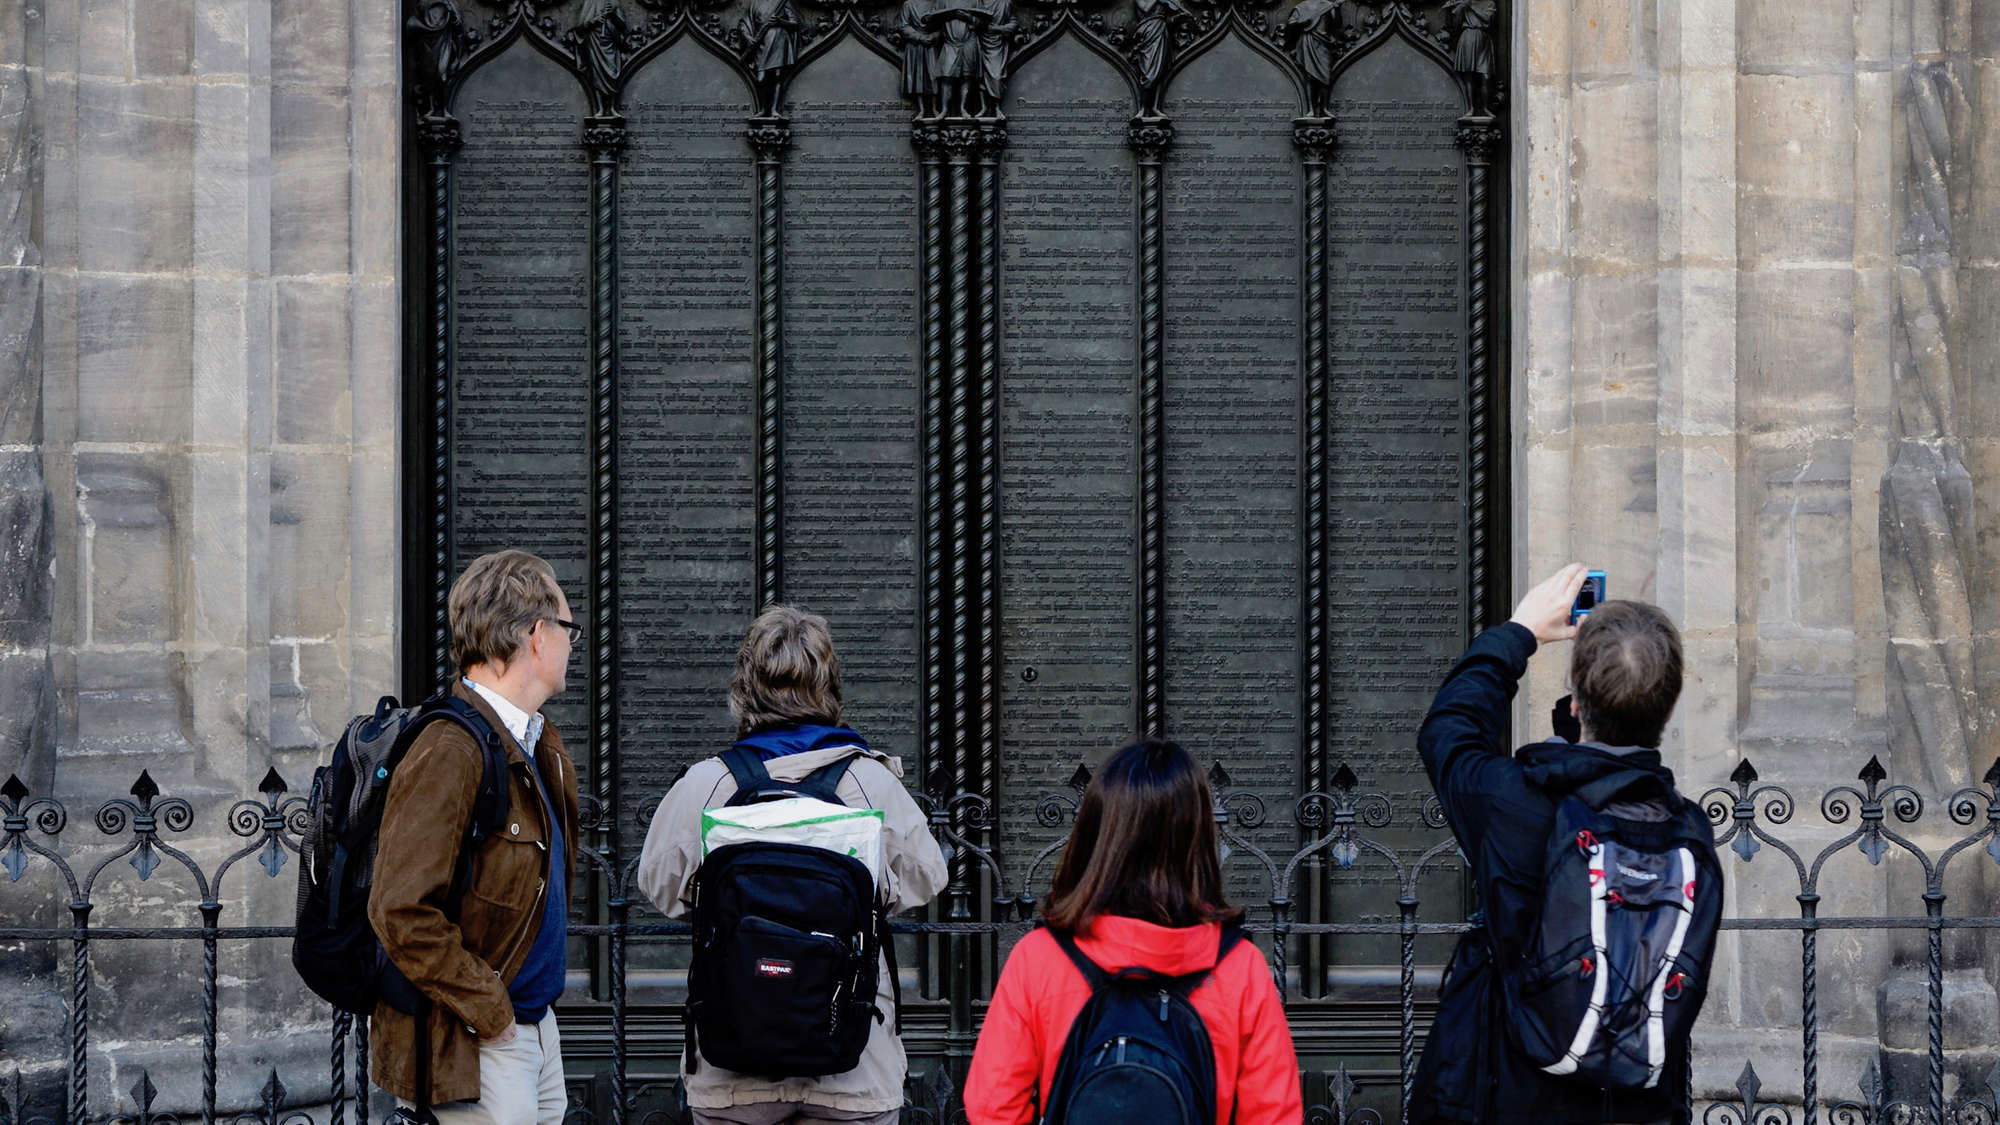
(1143, 845)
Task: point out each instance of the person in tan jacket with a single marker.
(787, 701)
(491, 975)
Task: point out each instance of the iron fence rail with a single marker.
(1330, 827)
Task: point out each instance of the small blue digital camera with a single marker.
(1588, 597)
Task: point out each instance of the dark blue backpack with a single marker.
(1138, 1051)
(1608, 986)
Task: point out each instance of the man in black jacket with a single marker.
(1626, 675)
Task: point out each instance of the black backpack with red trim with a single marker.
(1615, 970)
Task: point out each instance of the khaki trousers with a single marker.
(520, 1081)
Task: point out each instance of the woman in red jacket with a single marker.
(1139, 886)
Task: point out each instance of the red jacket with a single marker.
(1040, 993)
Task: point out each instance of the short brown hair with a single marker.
(1626, 672)
(786, 672)
(495, 604)
(1143, 845)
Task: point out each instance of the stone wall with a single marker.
(1758, 261)
(1754, 383)
(198, 422)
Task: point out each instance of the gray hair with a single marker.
(785, 672)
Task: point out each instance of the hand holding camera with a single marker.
(1548, 610)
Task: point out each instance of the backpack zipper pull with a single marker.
(1163, 1005)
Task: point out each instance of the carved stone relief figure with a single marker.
(1927, 506)
(1153, 47)
(919, 42)
(771, 45)
(1472, 53)
(955, 64)
(996, 46)
(1311, 32)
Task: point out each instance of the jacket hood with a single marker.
(778, 742)
(1116, 942)
(1598, 777)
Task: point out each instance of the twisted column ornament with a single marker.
(1150, 138)
(1480, 138)
(605, 139)
(1928, 507)
(928, 140)
(961, 142)
(992, 142)
(440, 138)
(770, 137)
(1314, 138)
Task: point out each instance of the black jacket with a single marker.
(1501, 808)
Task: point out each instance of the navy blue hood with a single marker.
(1598, 777)
(777, 742)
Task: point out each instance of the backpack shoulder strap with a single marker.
(1093, 973)
(824, 782)
(489, 803)
(747, 768)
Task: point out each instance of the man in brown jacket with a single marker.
(492, 964)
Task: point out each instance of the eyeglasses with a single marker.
(575, 631)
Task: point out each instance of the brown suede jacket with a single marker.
(463, 968)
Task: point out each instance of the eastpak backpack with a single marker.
(1608, 987)
(786, 945)
(335, 950)
(1137, 1051)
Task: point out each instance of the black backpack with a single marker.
(1615, 970)
(334, 949)
(786, 945)
(1138, 1051)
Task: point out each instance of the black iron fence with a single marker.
(988, 906)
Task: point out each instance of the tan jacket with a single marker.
(913, 872)
(463, 968)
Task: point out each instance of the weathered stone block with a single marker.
(1795, 162)
(128, 707)
(1795, 349)
(1971, 1010)
(374, 389)
(310, 167)
(309, 544)
(163, 38)
(222, 40)
(1615, 361)
(1615, 518)
(375, 115)
(1615, 172)
(1779, 36)
(127, 506)
(27, 552)
(134, 336)
(373, 543)
(311, 365)
(1604, 33)
(135, 187)
(310, 45)
(224, 177)
(103, 37)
